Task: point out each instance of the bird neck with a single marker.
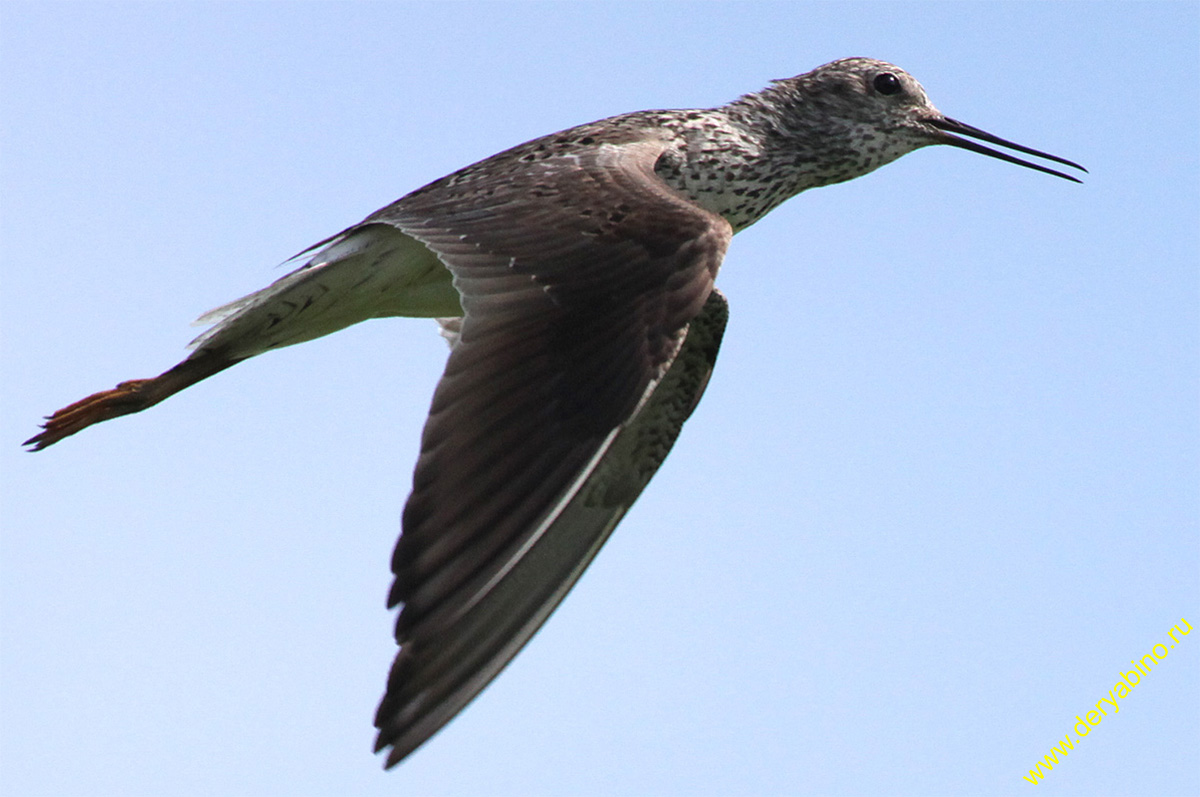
(743, 159)
(794, 141)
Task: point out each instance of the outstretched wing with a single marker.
(579, 274)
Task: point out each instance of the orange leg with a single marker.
(128, 397)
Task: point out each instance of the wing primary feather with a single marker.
(442, 666)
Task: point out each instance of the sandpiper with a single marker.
(573, 277)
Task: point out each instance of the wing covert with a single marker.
(578, 276)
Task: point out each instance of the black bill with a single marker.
(949, 126)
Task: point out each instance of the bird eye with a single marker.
(887, 83)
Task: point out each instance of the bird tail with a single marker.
(128, 397)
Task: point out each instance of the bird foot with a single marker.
(125, 398)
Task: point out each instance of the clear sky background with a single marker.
(941, 490)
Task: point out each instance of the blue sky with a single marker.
(941, 490)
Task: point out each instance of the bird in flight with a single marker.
(573, 277)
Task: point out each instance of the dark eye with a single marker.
(887, 83)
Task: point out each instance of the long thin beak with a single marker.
(949, 125)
